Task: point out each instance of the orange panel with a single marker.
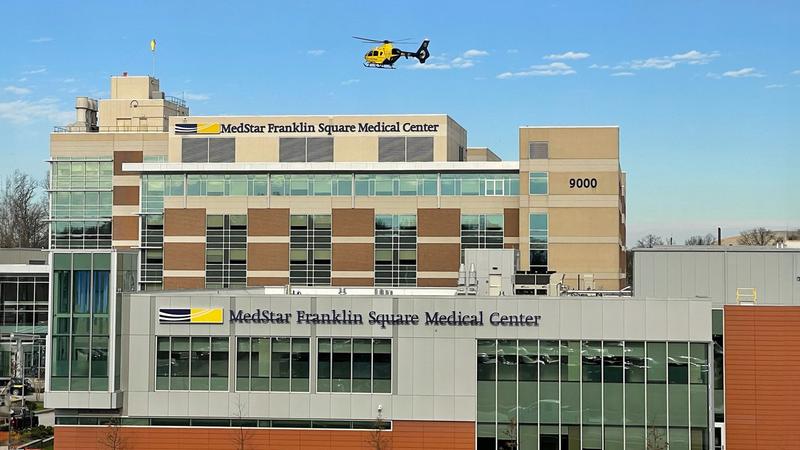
(406, 434)
(762, 359)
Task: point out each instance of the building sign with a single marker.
(347, 317)
(190, 315)
(302, 127)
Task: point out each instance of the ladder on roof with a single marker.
(747, 296)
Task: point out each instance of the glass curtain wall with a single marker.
(582, 395)
(80, 341)
(81, 199)
(396, 250)
(310, 250)
(226, 251)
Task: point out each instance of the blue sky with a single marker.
(706, 92)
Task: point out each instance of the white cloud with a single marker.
(512, 51)
(68, 80)
(442, 63)
(474, 53)
(623, 74)
(796, 72)
(350, 81)
(774, 86)
(541, 70)
(653, 63)
(24, 111)
(570, 55)
(316, 52)
(692, 57)
(40, 40)
(600, 66)
(196, 97)
(747, 72)
(16, 90)
(695, 57)
(35, 71)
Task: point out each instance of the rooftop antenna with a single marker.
(153, 51)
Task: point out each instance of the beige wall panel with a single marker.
(185, 222)
(304, 204)
(570, 165)
(268, 222)
(353, 222)
(255, 148)
(127, 142)
(353, 257)
(267, 281)
(218, 205)
(174, 153)
(355, 149)
(81, 144)
(438, 257)
(392, 205)
(577, 142)
(125, 228)
(584, 258)
(438, 222)
(126, 195)
(124, 210)
(479, 205)
(268, 256)
(184, 256)
(125, 180)
(580, 201)
(589, 222)
(155, 144)
(607, 183)
(184, 283)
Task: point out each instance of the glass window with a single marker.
(341, 365)
(299, 365)
(324, 365)
(538, 183)
(179, 356)
(260, 362)
(678, 363)
(219, 364)
(281, 362)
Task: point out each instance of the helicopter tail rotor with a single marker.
(422, 53)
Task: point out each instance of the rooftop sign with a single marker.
(302, 127)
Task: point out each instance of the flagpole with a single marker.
(153, 51)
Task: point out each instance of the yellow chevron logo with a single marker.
(208, 128)
(206, 315)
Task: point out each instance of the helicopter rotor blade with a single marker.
(363, 39)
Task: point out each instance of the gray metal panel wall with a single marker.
(717, 274)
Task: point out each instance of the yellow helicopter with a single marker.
(385, 55)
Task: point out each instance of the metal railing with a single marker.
(110, 129)
(178, 101)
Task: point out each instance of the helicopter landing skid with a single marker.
(378, 66)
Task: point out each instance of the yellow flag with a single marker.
(152, 45)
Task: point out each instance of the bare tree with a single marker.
(756, 236)
(510, 435)
(649, 241)
(242, 436)
(708, 239)
(113, 439)
(656, 440)
(23, 212)
(377, 439)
